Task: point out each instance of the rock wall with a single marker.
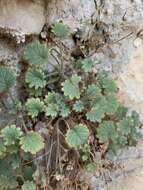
(121, 55)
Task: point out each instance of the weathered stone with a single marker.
(130, 81)
(122, 56)
(24, 15)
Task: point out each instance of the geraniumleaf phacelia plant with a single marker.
(79, 111)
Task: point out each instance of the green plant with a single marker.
(78, 106)
(14, 144)
(93, 98)
(36, 54)
(75, 115)
(55, 105)
(60, 30)
(34, 106)
(7, 183)
(10, 135)
(7, 79)
(28, 185)
(88, 64)
(32, 142)
(77, 136)
(35, 79)
(71, 87)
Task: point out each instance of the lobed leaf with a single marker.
(71, 87)
(111, 104)
(11, 134)
(2, 148)
(77, 136)
(96, 113)
(56, 105)
(108, 84)
(65, 111)
(52, 110)
(106, 131)
(121, 112)
(35, 92)
(88, 64)
(5, 168)
(35, 78)
(78, 106)
(32, 142)
(136, 118)
(125, 125)
(98, 109)
(91, 167)
(28, 185)
(7, 79)
(36, 54)
(15, 161)
(112, 152)
(60, 30)
(93, 91)
(34, 106)
(7, 183)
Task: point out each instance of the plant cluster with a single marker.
(86, 101)
(14, 143)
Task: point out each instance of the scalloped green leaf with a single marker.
(5, 168)
(36, 54)
(93, 91)
(2, 148)
(96, 113)
(15, 161)
(112, 152)
(77, 136)
(52, 110)
(55, 105)
(107, 83)
(121, 112)
(65, 111)
(28, 185)
(7, 183)
(11, 134)
(78, 106)
(122, 140)
(35, 92)
(32, 142)
(106, 131)
(34, 106)
(111, 104)
(28, 172)
(88, 64)
(91, 167)
(60, 30)
(98, 109)
(125, 125)
(7, 79)
(14, 148)
(35, 78)
(71, 87)
(136, 118)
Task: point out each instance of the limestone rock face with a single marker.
(24, 15)
(122, 55)
(130, 80)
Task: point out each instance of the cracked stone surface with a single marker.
(131, 79)
(128, 177)
(24, 15)
(122, 56)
